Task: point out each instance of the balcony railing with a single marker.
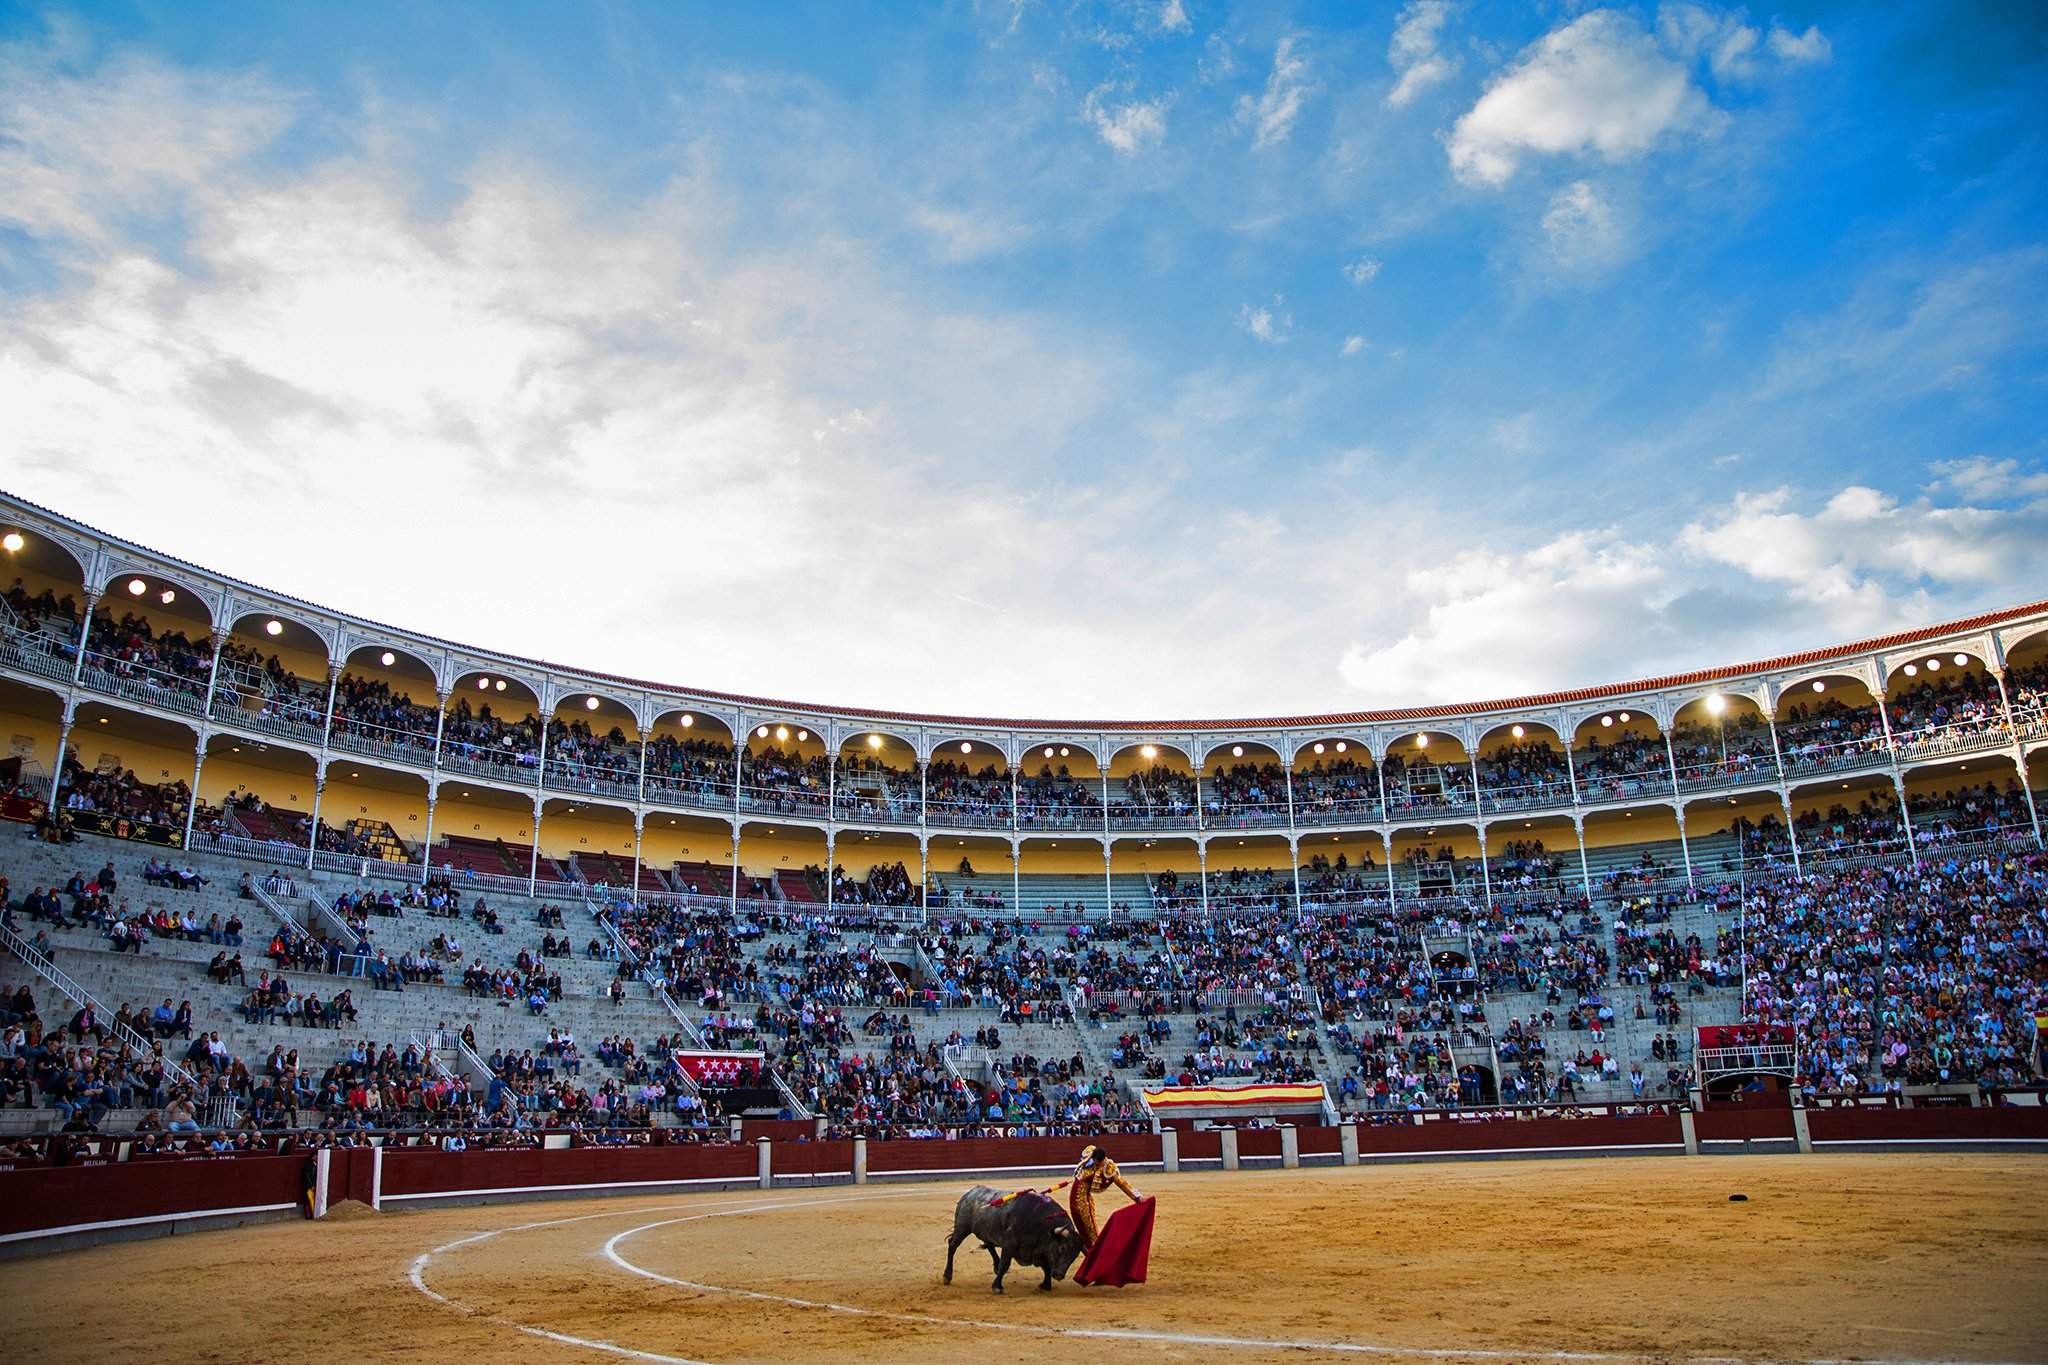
(139, 682)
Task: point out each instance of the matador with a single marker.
(1095, 1173)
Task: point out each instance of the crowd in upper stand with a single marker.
(1245, 794)
(1058, 800)
(369, 709)
(1341, 789)
(1622, 766)
(694, 769)
(1816, 736)
(788, 783)
(1525, 772)
(1737, 748)
(1419, 783)
(969, 796)
(885, 885)
(1156, 795)
(1944, 711)
(158, 661)
(578, 756)
(477, 735)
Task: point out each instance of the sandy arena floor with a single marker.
(1890, 1257)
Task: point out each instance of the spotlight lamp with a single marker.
(1342, 746)
(1237, 751)
(1150, 751)
(590, 703)
(1716, 704)
(874, 741)
(803, 734)
(499, 684)
(688, 720)
(13, 541)
(167, 597)
(136, 587)
(761, 733)
(387, 658)
(1048, 751)
(966, 747)
(1518, 732)
(1819, 686)
(273, 627)
(782, 732)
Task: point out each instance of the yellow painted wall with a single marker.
(562, 834)
(763, 854)
(1181, 857)
(151, 762)
(467, 818)
(34, 737)
(667, 844)
(224, 772)
(346, 801)
(1462, 841)
(1646, 826)
(1074, 857)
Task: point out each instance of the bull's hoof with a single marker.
(1045, 1289)
(949, 1277)
(996, 1288)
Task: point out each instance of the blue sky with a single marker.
(1125, 359)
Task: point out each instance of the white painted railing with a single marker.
(42, 965)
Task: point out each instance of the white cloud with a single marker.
(1760, 573)
(1272, 113)
(963, 235)
(1598, 86)
(1172, 17)
(1414, 52)
(1364, 270)
(1269, 323)
(1983, 479)
(1580, 231)
(1353, 345)
(1693, 32)
(1129, 127)
(1809, 48)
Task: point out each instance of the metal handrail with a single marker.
(43, 966)
(271, 903)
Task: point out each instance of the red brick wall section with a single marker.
(64, 1196)
(1452, 1135)
(999, 1154)
(1928, 1125)
(813, 1158)
(421, 1171)
(1206, 1145)
(1319, 1140)
(1258, 1142)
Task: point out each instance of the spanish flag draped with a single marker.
(1232, 1097)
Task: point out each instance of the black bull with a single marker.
(1027, 1229)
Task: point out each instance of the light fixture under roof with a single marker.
(874, 741)
(761, 733)
(136, 587)
(590, 703)
(1150, 750)
(1716, 703)
(1912, 670)
(1343, 745)
(273, 627)
(1607, 722)
(387, 658)
(12, 541)
(1319, 747)
(167, 596)
(1934, 665)
(1961, 660)
(483, 684)
(1518, 732)
(499, 684)
(1065, 751)
(1422, 741)
(688, 720)
(1237, 751)
(966, 747)
(1819, 686)
(1624, 718)
(782, 732)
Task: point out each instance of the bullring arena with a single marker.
(1886, 1257)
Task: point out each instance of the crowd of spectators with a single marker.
(369, 711)
(1052, 799)
(785, 783)
(1245, 796)
(957, 794)
(1341, 789)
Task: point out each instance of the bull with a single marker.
(1026, 1229)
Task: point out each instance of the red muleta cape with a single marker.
(1118, 1257)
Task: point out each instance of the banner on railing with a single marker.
(723, 1069)
(1251, 1098)
(121, 827)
